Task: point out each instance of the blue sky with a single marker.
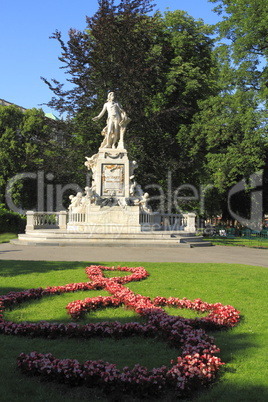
(27, 53)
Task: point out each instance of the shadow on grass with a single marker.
(17, 267)
(8, 289)
(232, 345)
(220, 391)
(234, 393)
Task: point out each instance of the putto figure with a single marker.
(117, 122)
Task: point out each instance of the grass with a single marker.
(6, 237)
(239, 241)
(244, 349)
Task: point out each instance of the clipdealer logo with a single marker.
(50, 197)
(255, 184)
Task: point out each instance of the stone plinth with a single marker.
(110, 219)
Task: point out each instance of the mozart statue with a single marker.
(117, 122)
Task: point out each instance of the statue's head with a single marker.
(111, 96)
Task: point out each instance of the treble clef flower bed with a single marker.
(196, 366)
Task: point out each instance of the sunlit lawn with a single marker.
(239, 241)
(6, 237)
(244, 349)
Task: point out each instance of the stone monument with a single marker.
(113, 210)
(114, 201)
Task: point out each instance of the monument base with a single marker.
(130, 228)
(60, 237)
(107, 219)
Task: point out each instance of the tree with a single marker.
(109, 51)
(159, 66)
(229, 136)
(21, 137)
(245, 26)
(29, 142)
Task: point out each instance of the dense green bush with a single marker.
(11, 221)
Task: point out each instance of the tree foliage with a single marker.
(22, 139)
(111, 53)
(29, 142)
(245, 25)
(229, 136)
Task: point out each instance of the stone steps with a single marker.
(85, 235)
(143, 239)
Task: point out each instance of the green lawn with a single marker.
(239, 241)
(244, 349)
(6, 237)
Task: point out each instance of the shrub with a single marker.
(11, 221)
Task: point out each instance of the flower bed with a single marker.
(197, 365)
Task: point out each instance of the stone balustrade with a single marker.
(149, 221)
(46, 220)
(168, 222)
(77, 217)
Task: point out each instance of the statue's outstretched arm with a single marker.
(101, 113)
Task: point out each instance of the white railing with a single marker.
(147, 218)
(76, 217)
(43, 219)
(159, 221)
(46, 220)
(173, 221)
(148, 221)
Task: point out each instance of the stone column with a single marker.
(190, 222)
(62, 219)
(30, 220)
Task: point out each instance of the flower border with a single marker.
(197, 365)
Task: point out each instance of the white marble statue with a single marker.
(86, 201)
(144, 203)
(132, 166)
(117, 122)
(80, 202)
(91, 164)
(76, 203)
(135, 190)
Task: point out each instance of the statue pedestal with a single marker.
(107, 219)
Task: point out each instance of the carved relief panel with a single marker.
(113, 180)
